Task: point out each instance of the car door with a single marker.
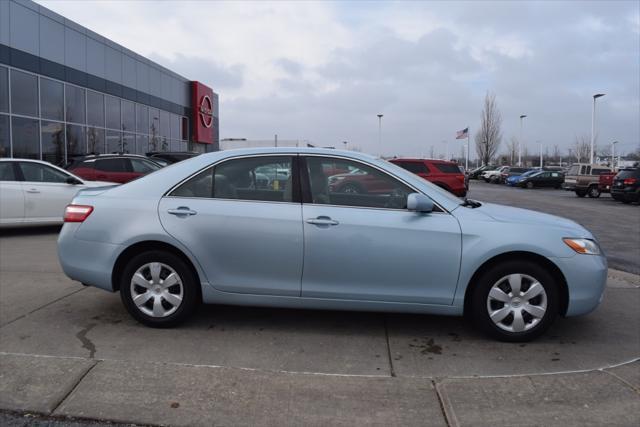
(247, 237)
(11, 195)
(370, 247)
(46, 192)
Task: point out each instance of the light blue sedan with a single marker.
(207, 230)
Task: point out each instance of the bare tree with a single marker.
(512, 149)
(582, 148)
(556, 153)
(489, 135)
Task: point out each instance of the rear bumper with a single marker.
(626, 194)
(88, 262)
(586, 277)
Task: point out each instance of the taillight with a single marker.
(77, 213)
(629, 181)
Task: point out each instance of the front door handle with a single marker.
(322, 220)
(182, 210)
(33, 191)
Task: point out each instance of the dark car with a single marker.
(626, 185)
(542, 179)
(119, 168)
(442, 173)
(170, 157)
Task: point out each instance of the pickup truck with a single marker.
(584, 179)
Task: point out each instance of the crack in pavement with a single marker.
(86, 342)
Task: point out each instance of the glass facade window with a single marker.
(74, 104)
(113, 112)
(5, 142)
(142, 144)
(51, 99)
(175, 127)
(24, 93)
(184, 128)
(52, 142)
(4, 90)
(95, 141)
(95, 109)
(76, 142)
(128, 143)
(114, 141)
(128, 116)
(142, 118)
(26, 138)
(165, 124)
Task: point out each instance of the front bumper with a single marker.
(586, 277)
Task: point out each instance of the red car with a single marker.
(119, 168)
(442, 173)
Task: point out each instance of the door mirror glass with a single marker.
(419, 203)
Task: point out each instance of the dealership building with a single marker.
(67, 91)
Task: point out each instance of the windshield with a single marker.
(574, 170)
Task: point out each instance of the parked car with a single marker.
(442, 173)
(170, 157)
(514, 179)
(120, 168)
(626, 185)
(605, 181)
(33, 192)
(512, 171)
(494, 175)
(542, 179)
(583, 179)
(475, 173)
(200, 231)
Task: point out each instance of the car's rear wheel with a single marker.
(158, 289)
(515, 301)
(594, 192)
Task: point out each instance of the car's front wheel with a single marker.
(158, 289)
(594, 192)
(514, 301)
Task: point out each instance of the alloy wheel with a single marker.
(517, 303)
(156, 289)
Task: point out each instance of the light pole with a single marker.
(380, 132)
(540, 143)
(593, 124)
(522, 116)
(345, 144)
(446, 148)
(613, 154)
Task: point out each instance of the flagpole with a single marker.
(466, 162)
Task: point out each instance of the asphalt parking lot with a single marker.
(71, 351)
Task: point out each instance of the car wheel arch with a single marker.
(545, 262)
(144, 246)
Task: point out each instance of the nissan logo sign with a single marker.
(206, 111)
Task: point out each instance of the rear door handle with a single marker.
(322, 220)
(182, 210)
(33, 191)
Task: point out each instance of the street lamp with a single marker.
(593, 123)
(540, 142)
(446, 145)
(613, 154)
(521, 141)
(380, 132)
(345, 144)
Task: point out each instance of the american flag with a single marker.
(462, 134)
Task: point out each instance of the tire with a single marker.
(530, 185)
(581, 193)
(169, 311)
(535, 314)
(593, 192)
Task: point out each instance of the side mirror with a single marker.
(73, 181)
(419, 203)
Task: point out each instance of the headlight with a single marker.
(583, 246)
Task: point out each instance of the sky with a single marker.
(323, 71)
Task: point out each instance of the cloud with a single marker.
(321, 71)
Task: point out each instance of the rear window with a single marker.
(628, 173)
(596, 171)
(113, 165)
(448, 168)
(414, 167)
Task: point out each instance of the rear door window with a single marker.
(36, 172)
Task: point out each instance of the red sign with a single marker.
(202, 117)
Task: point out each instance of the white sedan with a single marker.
(33, 192)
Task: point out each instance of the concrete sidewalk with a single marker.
(189, 395)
